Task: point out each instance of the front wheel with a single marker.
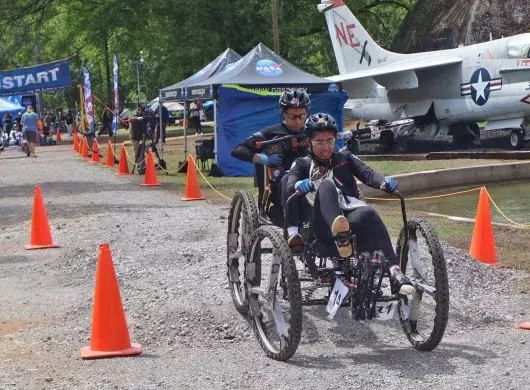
(242, 222)
(516, 139)
(274, 293)
(423, 315)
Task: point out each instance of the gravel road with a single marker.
(169, 257)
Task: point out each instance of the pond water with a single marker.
(513, 198)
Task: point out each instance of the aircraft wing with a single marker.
(515, 75)
(397, 75)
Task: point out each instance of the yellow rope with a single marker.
(132, 161)
(428, 197)
(504, 215)
(206, 180)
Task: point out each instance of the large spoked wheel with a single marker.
(242, 222)
(274, 294)
(423, 315)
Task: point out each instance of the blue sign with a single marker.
(269, 68)
(39, 78)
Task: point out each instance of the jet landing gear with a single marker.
(464, 134)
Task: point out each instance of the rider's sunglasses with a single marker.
(294, 117)
(329, 142)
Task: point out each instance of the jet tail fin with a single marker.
(354, 48)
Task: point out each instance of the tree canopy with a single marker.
(176, 37)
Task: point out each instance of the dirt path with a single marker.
(169, 257)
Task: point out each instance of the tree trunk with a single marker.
(107, 70)
(275, 27)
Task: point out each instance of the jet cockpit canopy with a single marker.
(519, 46)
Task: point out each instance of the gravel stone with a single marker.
(169, 257)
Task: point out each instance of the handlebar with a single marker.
(274, 141)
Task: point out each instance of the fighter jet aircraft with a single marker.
(446, 92)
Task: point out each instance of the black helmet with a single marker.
(294, 98)
(320, 122)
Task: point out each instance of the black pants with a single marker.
(198, 124)
(365, 223)
(104, 126)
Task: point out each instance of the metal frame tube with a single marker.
(184, 127)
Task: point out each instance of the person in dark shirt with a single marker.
(294, 104)
(106, 121)
(327, 178)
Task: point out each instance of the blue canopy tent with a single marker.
(11, 105)
(246, 100)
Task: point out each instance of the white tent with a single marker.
(171, 106)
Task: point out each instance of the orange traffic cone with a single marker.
(95, 152)
(81, 145)
(41, 236)
(193, 190)
(150, 177)
(109, 160)
(524, 325)
(76, 143)
(58, 136)
(110, 336)
(483, 242)
(84, 150)
(123, 167)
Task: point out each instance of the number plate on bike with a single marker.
(339, 293)
(384, 310)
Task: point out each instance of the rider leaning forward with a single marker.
(294, 104)
(337, 210)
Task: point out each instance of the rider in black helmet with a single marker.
(294, 104)
(327, 178)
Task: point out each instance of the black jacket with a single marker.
(246, 149)
(346, 167)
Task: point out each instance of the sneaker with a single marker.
(34, 155)
(401, 284)
(340, 229)
(295, 242)
(2, 148)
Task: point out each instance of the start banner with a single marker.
(38, 78)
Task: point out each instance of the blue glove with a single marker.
(389, 185)
(273, 159)
(304, 186)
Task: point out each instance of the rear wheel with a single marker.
(274, 295)
(423, 315)
(242, 222)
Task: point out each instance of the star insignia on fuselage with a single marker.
(480, 86)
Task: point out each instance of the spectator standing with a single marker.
(165, 121)
(70, 122)
(195, 114)
(105, 123)
(29, 122)
(18, 119)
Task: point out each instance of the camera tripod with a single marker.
(147, 141)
